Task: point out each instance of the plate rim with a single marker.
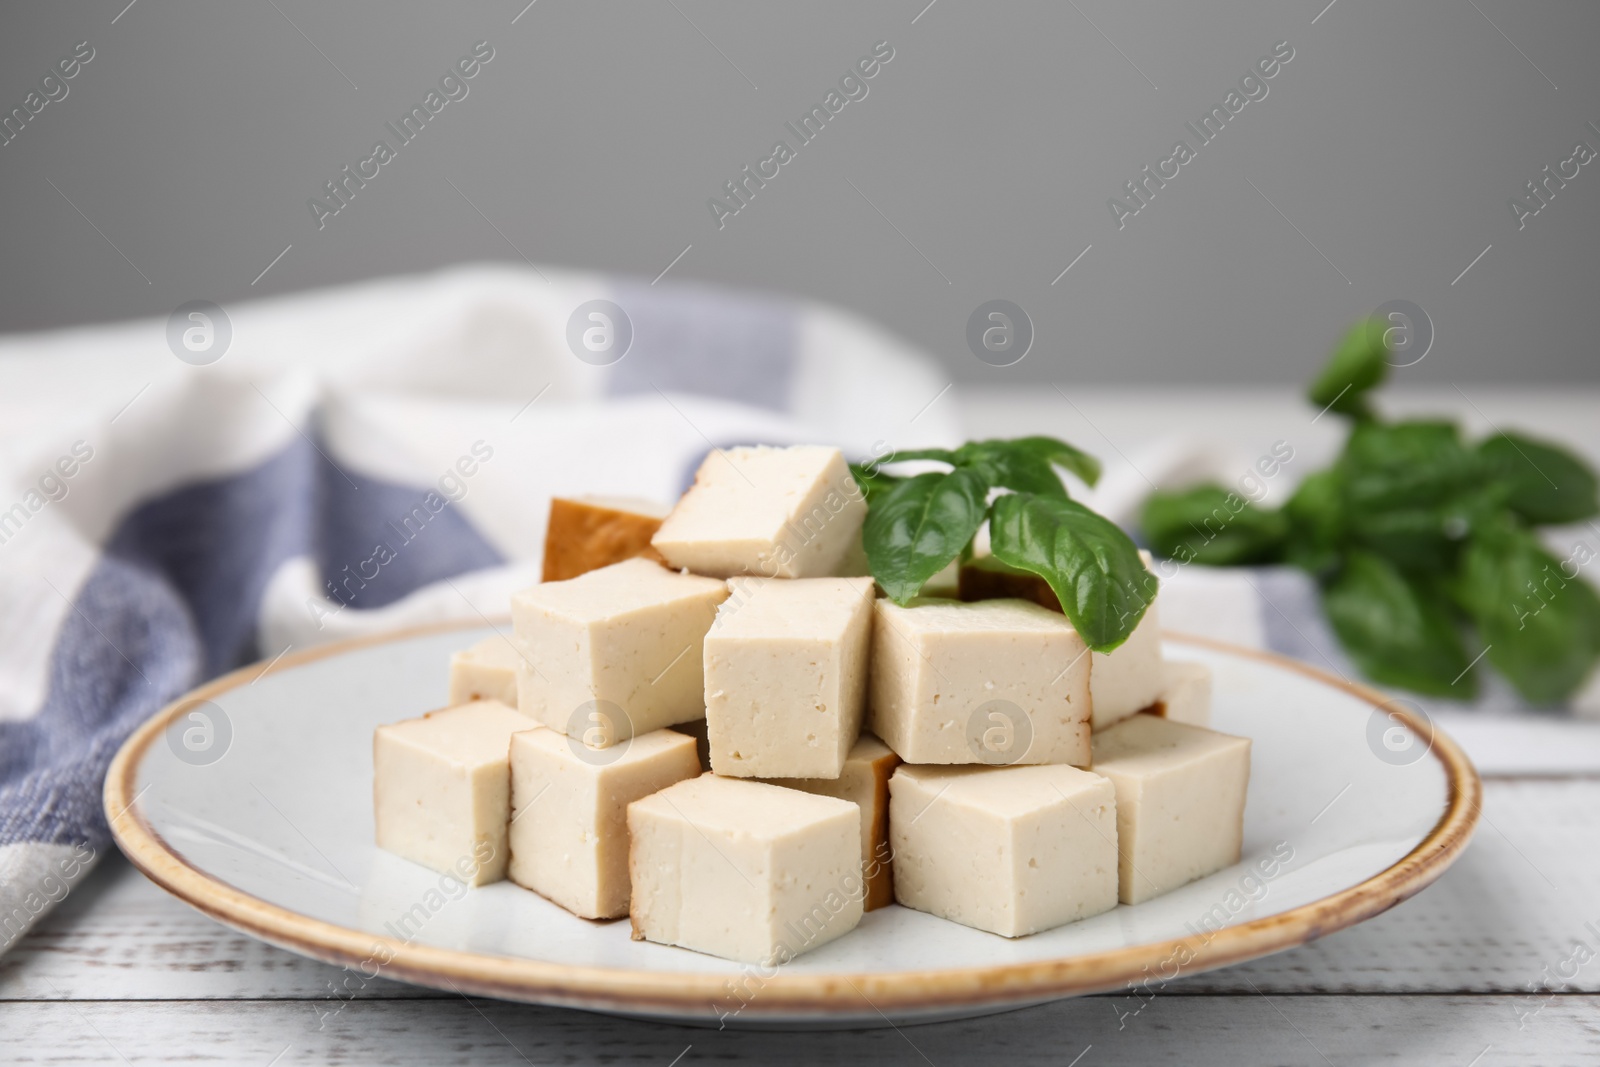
(779, 995)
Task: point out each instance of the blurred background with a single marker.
(978, 162)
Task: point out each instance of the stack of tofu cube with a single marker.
(731, 739)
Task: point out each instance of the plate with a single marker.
(251, 799)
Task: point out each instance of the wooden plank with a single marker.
(1512, 907)
(1318, 1030)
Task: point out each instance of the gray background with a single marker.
(982, 160)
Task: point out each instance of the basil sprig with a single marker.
(1418, 538)
(917, 526)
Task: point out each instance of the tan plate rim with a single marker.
(779, 995)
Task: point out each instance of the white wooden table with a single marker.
(1499, 962)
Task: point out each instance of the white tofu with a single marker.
(1187, 696)
(569, 824)
(486, 671)
(1130, 678)
(1011, 850)
(744, 870)
(441, 788)
(776, 512)
(864, 782)
(995, 681)
(1180, 801)
(786, 676)
(615, 652)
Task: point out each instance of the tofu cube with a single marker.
(1011, 850)
(590, 532)
(864, 782)
(786, 676)
(441, 788)
(615, 652)
(1123, 682)
(1131, 678)
(997, 682)
(486, 671)
(569, 823)
(776, 512)
(1180, 801)
(1187, 696)
(744, 870)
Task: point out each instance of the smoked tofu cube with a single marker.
(997, 682)
(776, 512)
(1011, 850)
(615, 652)
(786, 676)
(441, 788)
(864, 782)
(1130, 678)
(569, 823)
(1187, 696)
(744, 870)
(1180, 801)
(486, 671)
(590, 532)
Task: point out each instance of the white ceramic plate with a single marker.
(263, 820)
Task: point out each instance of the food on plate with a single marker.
(744, 870)
(1011, 850)
(746, 754)
(615, 652)
(586, 533)
(1187, 696)
(1180, 801)
(775, 512)
(1123, 682)
(864, 781)
(996, 681)
(441, 788)
(486, 671)
(569, 812)
(786, 676)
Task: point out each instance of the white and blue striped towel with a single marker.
(161, 523)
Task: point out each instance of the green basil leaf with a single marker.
(1063, 455)
(1093, 567)
(1359, 363)
(943, 455)
(874, 483)
(1546, 483)
(919, 526)
(1011, 465)
(1213, 526)
(1538, 616)
(1413, 492)
(1398, 632)
(1316, 513)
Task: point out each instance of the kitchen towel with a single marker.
(180, 497)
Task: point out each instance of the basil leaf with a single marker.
(1413, 492)
(1316, 513)
(1093, 567)
(920, 525)
(874, 483)
(1546, 483)
(1213, 526)
(1011, 465)
(943, 455)
(1398, 632)
(1085, 466)
(1539, 617)
(1359, 363)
